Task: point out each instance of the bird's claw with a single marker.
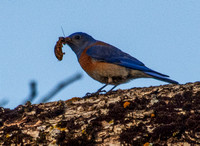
(93, 94)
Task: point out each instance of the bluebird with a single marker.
(108, 64)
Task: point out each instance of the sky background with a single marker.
(164, 35)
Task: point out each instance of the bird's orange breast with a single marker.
(89, 64)
(96, 69)
(86, 62)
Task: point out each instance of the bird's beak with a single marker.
(68, 40)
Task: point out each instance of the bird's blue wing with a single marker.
(111, 54)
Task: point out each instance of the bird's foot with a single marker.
(109, 92)
(87, 95)
(102, 91)
(93, 94)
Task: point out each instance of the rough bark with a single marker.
(162, 115)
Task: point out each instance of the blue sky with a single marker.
(165, 35)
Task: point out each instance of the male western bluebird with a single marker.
(106, 63)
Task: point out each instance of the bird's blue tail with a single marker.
(161, 77)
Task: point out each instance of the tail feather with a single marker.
(162, 78)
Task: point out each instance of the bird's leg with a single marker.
(100, 90)
(112, 89)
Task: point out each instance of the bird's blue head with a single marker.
(79, 41)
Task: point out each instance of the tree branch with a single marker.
(163, 115)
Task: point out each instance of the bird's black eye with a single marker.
(77, 37)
